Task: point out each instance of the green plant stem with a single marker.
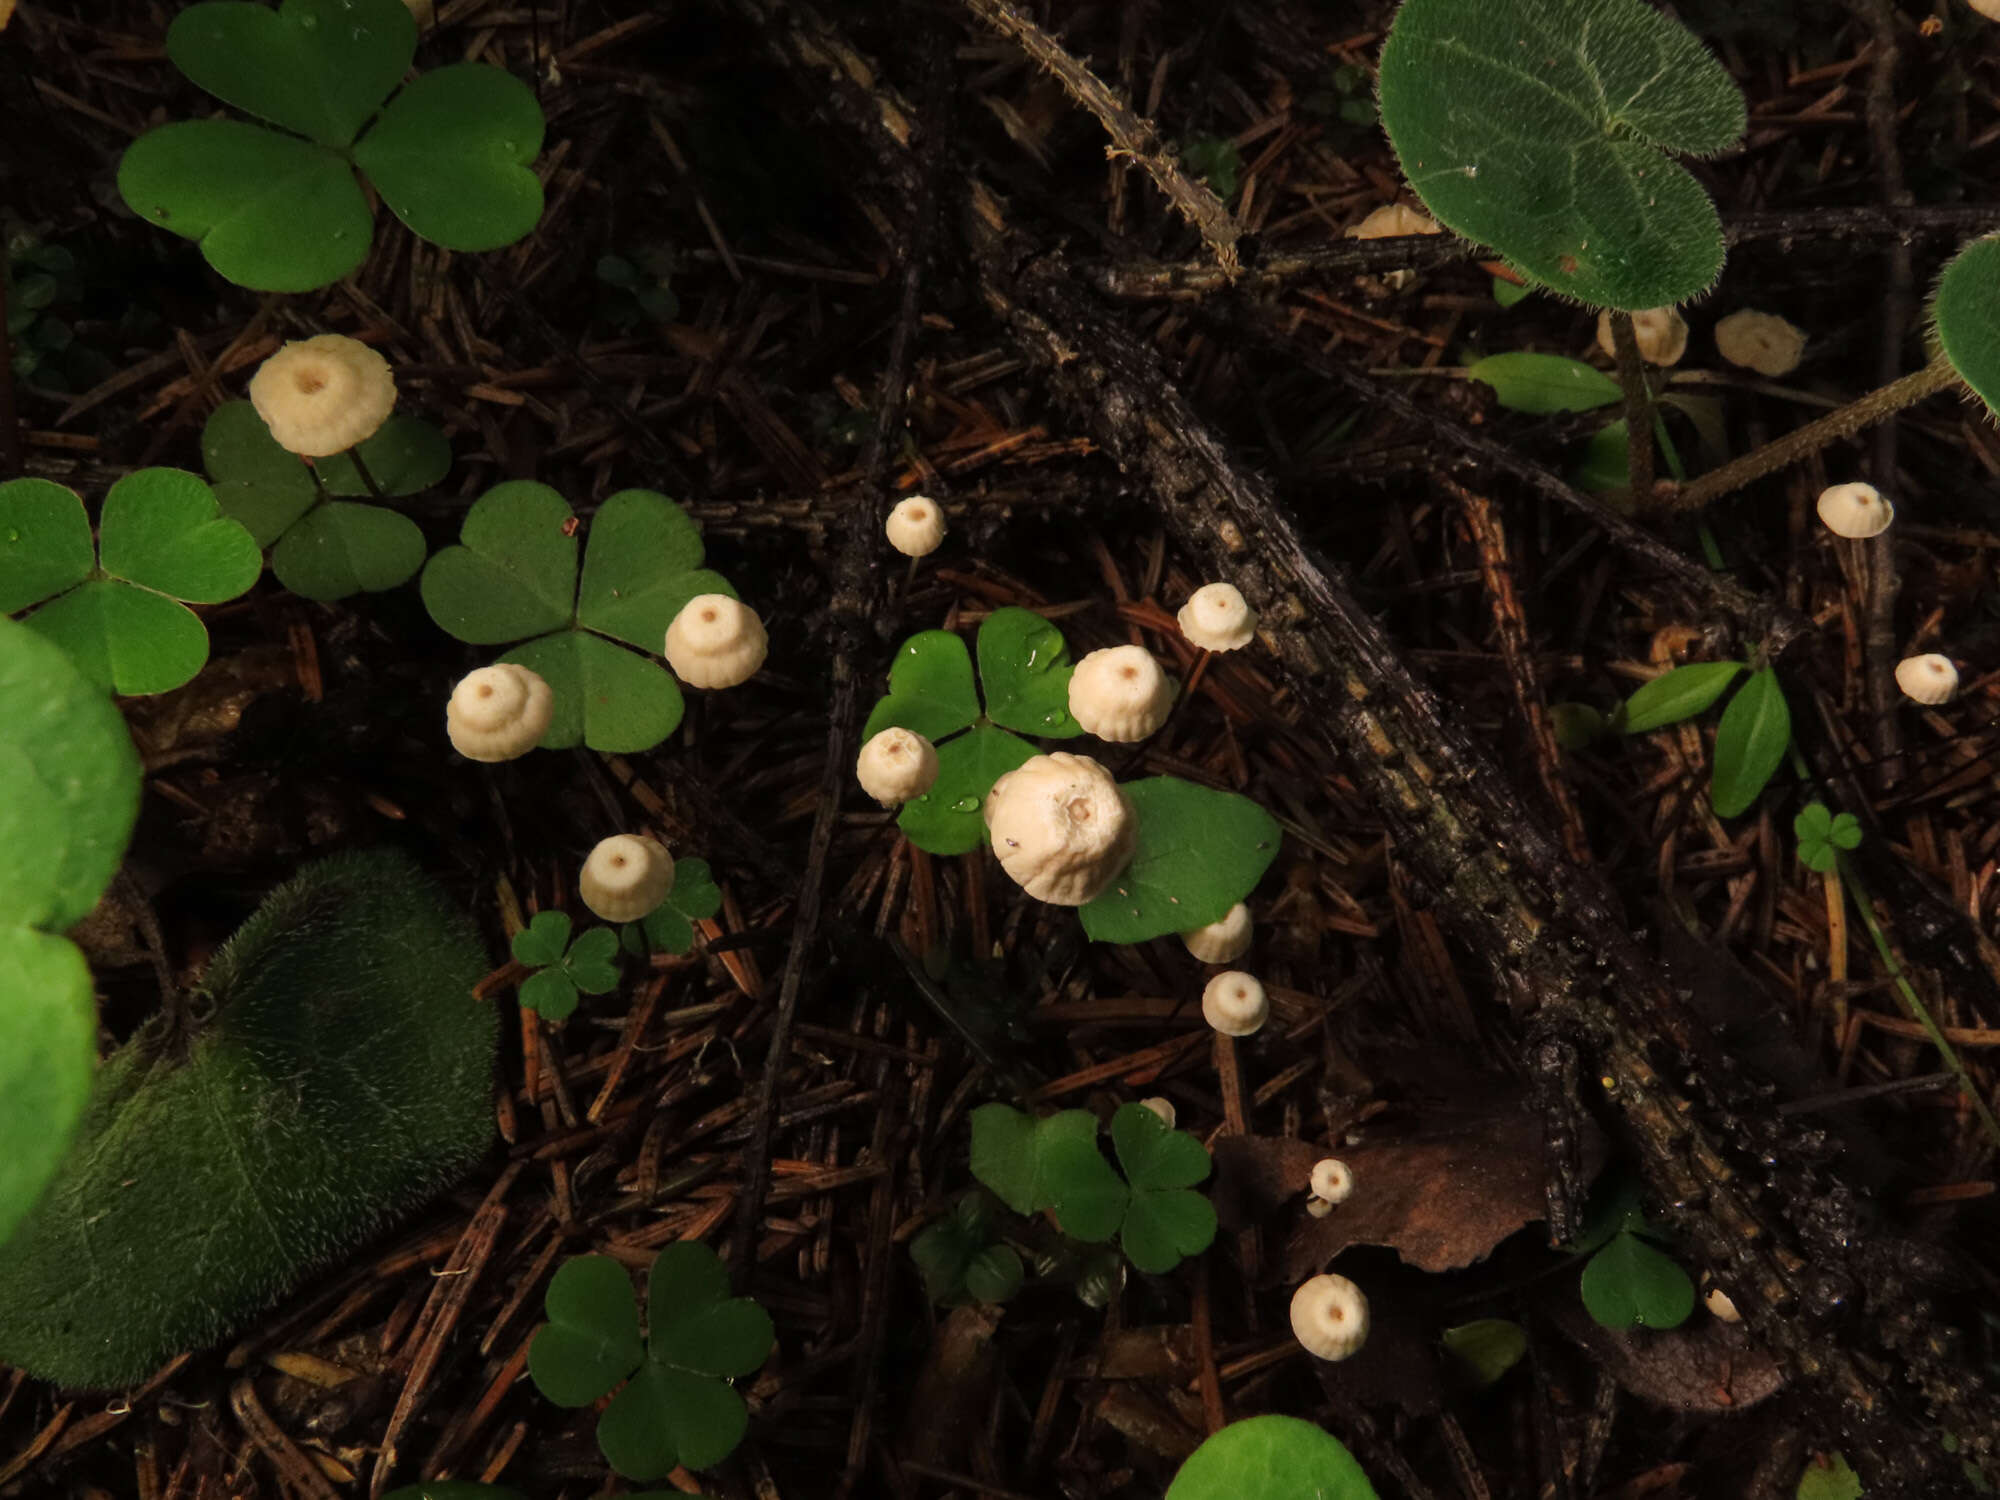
(354, 457)
(1878, 404)
(1914, 1006)
(1638, 410)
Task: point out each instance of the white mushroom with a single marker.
(1164, 1108)
(895, 766)
(498, 712)
(322, 395)
(1716, 1300)
(626, 877)
(1855, 510)
(916, 526)
(715, 642)
(1929, 679)
(1217, 618)
(1061, 827)
(1760, 341)
(1391, 221)
(1660, 332)
(1234, 1003)
(1987, 8)
(1332, 1180)
(1318, 1208)
(1120, 694)
(1222, 941)
(1330, 1317)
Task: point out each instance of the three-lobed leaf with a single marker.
(1750, 743)
(451, 154)
(669, 927)
(1540, 126)
(591, 1341)
(1199, 852)
(1271, 1458)
(1676, 695)
(1822, 835)
(1541, 383)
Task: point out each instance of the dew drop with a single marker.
(965, 805)
(1055, 718)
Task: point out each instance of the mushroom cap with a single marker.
(1222, 941)
(1760, 341)
(1162, 1107)
(1330, 1317)
(1318, 1208)
(895, 766)
(1332, 1180)
(322, 395)
(1855, 510)
(716, 642)
(1660, 332)
(1987, 8)
(1217, 618)
(626, 877)
(1928, 679)
(1392, 220)
(498, 712)
(1716, 1300)
(1061, 827)
(916, 526)
(1120, 694)
(1234, 1003)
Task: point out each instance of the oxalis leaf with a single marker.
(1538, 127)
(948, 819)
(1966, 313)
(1750, 744)
(1164, 1221)
(931, 691)
(669, 927)
(345, 1075)
(1822, 835)
(1024, 669)
(1199, 852)
(1628, 1282)
(1271, 1458)
(591, 1341)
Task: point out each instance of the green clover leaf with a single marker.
(162, 540)
(1164, 1221)
(1024, 667)
(1200, 851)
(948, 819)
(281, 209)
(960, 1257)
(931, 691)
(514, 577)
(1822, 835)
(1628, 1281)
(591, 1341)
(669, 927)
(1539, 127)
(564, 969)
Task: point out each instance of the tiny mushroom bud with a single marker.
(1217, 618)
(1855, 510)
(626, 877)
(1332, 1180)
(1927, 679)
(1760, 341)
(1660, 332)
(916, 526)
(1319, 1208)
(715, 642)
(1716, 1300)
(1234, 1003)
(1391, 221)
(895, 766)
(1330, 1317)
(498, 712)
(322, 395)
(1061, 827)
(1222, 941)
(1120, 694)
(1164, 1108)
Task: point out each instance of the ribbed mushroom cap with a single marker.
(1217, 618)
(1061, 828)
(626, 877)
(895, 766)
(716, 642)
(1234, 1003)
(1224, 940)
(1855, 510)
(1332, 1180)
(1120, 694)
(1330, 1317)
(916, 526)
(322, 395)
(498, 712)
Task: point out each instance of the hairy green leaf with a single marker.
(1966, 313)
(1750, 744)
(1271, 1458)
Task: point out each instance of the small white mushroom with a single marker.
(1164, 1108)
(322, 395)
(1332, 1180)
(1855, 510)
(1391, 221)
(1062, 829)
(626, 877)
(1760, 341)
(1318, 1208)
(1660, 332)
(1928, 679)
(916, 526)
(1120, 694)
(498, 712)
(895, 766)
(1330, 1317)
(1234, 1003)
(1217, 618)
(1222, 941)
(716, 642)
(1716, 1300)
(1987, 8)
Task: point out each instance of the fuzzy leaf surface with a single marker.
(1967, 315)
(1271, 1458)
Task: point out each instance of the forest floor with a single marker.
(694, 143)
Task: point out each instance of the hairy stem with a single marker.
(1638, 407)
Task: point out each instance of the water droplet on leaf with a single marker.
(965, 805)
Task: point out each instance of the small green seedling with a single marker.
(281, 210)
(1822, 835)
(1055, 1164)
(563, 969)
(117, 607)
(324, 545)
(637, 291)
(1828, 1477)
(961, 1257)
(1543, 383)
(1214, 159)
(345, 1074)
(1751, 740)
(69, 792)
(669, 927)
(1271, 1458)
(515, 578)
(1539, 127)
(677, 1406)
(1627, 1279)
(1486, 1348)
